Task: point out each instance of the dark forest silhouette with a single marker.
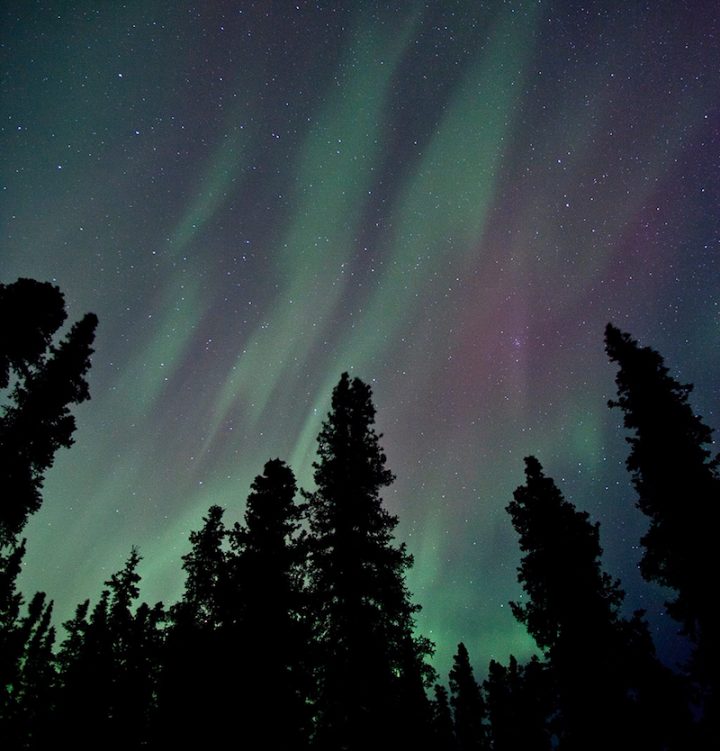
(296, 629)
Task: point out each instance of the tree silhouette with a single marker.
(597, 660)
(295, 629)
(205, 568)
(75, 666)
(38, 383)
(265, 623)
(38, 677)
(443, 727)
(468, 704)
(370, 665)
(519, 702)
(28, 675)
(45, 380)
(109, 668)
(193, 665)
(12, 636)
(135, 642)
(37, 311)
(678, 489)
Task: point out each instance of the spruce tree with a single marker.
(12, 641)
(265, 621)
(79, 698)
(134, 646)
(39, 381)
(43, 381)
(597, 659)
(678, 489)
(519, 702)
(468, 704)
(38, 677)
(28, 676)
(442, 721)
(31, 312)
(109, 667)
(370, 664)
(193, 664)
(205, 567)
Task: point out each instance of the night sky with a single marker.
(447, 199)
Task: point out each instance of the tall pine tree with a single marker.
(109, 668)
(39, 381)
(519, 702)
(468, 704)
(27, 672)
(442, 720)
(370, 664)
(265, 630)
(598, 660)
(678, 489)
(193, 665)
(43, 381)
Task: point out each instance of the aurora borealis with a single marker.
(449, 200)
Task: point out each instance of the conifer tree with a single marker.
(265, 624)
(134, 638)
(519, 702)
(38, 677)
(12, 641)
(468, 704)
(109, 666)
(205, 567)
(31, 312)
(44, 380)
(193, 669)
(443, 727)
(87, 679)
(370, 667)
(678, 489)
(28, 676)
(39, 381)
(595, 657)
(78, 699)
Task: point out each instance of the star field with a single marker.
(449, 200)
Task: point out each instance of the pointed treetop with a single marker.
(560, 569)
(677, 484)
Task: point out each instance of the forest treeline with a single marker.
(296, 630)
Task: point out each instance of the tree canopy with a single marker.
(296, 629)
(44, 379)
(371, 672)
(678, 488)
